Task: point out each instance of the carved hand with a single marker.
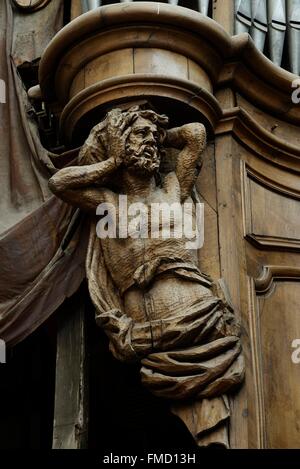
(117, 133)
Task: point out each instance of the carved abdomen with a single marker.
(126, 258)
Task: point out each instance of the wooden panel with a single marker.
(160, 62)
(199, 76)
(272, 212)
(113, 64)
(107, 66)
(287, 132)
(208, 255)
(278, 324)
(77, 84)
(233, 268)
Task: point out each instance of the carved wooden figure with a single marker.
(151, 299)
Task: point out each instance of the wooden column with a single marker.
(71, 399)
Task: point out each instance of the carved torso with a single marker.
(136, 260)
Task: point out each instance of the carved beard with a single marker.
(145, 159)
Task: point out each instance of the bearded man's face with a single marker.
(142, 147)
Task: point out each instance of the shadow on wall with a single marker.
(27, 391)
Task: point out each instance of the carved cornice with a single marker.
(271, 273)
(117, 20)
(259, 140)
(263, 83)
(138, 84)
(224, 59)
(136, 37)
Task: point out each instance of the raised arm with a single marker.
(191, 140)
(81, 185)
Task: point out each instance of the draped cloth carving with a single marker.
(196, 359)
(41, 238)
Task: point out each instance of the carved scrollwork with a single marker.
(264, 283)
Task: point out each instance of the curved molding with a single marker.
(272, 273)
(275, 184)
(282, 186)
(135, 37)
(136, 13)
(260, 141)
(270, 86)
(137, 86)
(32, 6)
(234, 60)
(274, 242)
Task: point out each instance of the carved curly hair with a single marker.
(95, 148)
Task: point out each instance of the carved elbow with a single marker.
(53, 185)
(201, 137)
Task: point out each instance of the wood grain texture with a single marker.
(71, 405)
(272, 212)
(233, 263)
(276, 325)
(208, 255)
(249, 184)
